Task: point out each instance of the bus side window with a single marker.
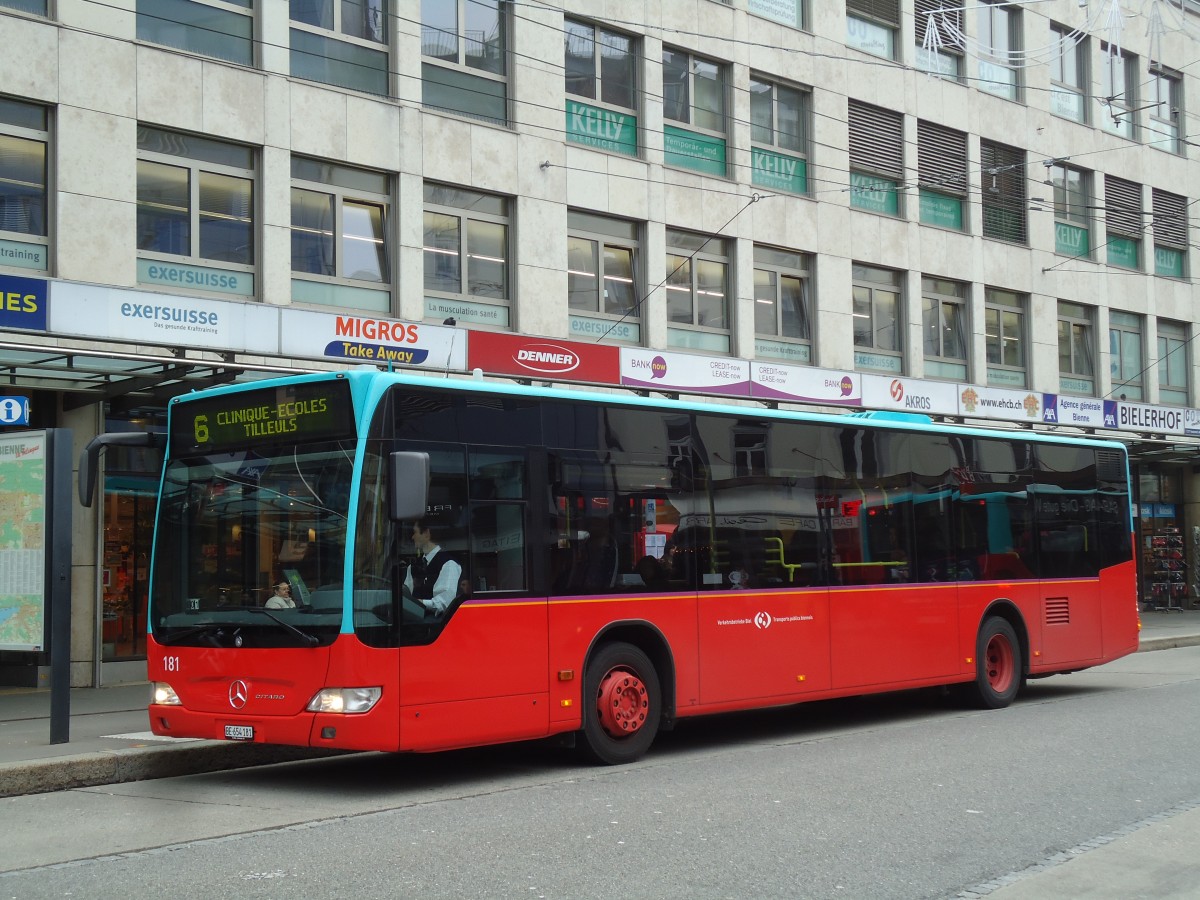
(497, 492)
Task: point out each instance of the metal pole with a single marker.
(58, 579)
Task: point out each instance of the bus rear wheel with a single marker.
(622, 705)
(999, 671)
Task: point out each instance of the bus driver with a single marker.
(433, 577)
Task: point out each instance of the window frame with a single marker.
(951, 54)
(880, 16)
(1000, 306)
(599, 41)
(1170, 226)
(196, 167)
(194, 34)
(1076, 331)
(28, 134)
(784, 264)
(460, 74)
(1004, 193)
(341, 72)
(43, 9)
(1010, 21)
(1121, 108)
(1127, 330)
(942, 173)
(684, 247)
(765, 148)
(938, 295)
(876, 158)
(1170, 338)
(1060, 83)
(342, 193)
(466, 215)
(1162, 81)
(871, 281)
(1123, 219)
(1072, 193)
(581, 225)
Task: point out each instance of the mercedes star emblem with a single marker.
(238, 692)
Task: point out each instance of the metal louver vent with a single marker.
(882, 10)
(942, 158)
(1170, 219)
(876, 140)
(1123, 206)
(943, 12)
(1058, 611)
(1110, 466)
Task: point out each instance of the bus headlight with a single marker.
(344, 700)
(163, 694)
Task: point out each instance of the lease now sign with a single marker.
(547, 359)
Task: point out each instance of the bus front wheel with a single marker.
(998, 667)
(622, 705)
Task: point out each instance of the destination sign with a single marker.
(309, 411)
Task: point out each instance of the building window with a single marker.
(195, 212)
(697, 291)
(1170, 234)
(871, 26)
(1004, 337)
(938, 31)
(1068, 73)
(942, 170)
(1124, 222)
(944, 322)
(339, 235)
(1126, 361)
(1072, 189)
(37, 7)
(1119, 91)
(999, 46)
(876, 158)
(877, 327)
(1172, 363)
(1005, 211)
(338, 42)
(209, 27)
(782, 324)
(779, 117)
(464, 45)
(601, 66)
(694, 95)
(603, 277)
(1076, 368)
(1164, 110)
(24, 137)
(461, 224)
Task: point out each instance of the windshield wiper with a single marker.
(310, 639)
(188, 632)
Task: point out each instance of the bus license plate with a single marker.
(239, 732)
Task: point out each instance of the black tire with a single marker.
(622, 705)
(999, 669)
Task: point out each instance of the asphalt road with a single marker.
(900, 796)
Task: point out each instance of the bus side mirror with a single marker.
(408, 485)
(89, 459)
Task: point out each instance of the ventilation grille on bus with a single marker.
(1058, 611)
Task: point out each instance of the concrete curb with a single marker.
(141, 763)
(1169, 643)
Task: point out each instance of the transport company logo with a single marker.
(762, 620)
(546, 358)
(238, 692)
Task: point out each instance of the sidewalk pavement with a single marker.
(110, 742)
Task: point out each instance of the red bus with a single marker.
(474, 562)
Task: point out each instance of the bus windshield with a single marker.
(250, 546)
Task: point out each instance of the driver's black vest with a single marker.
(425, 575)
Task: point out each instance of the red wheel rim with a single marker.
(999, 662)
(622, 703)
